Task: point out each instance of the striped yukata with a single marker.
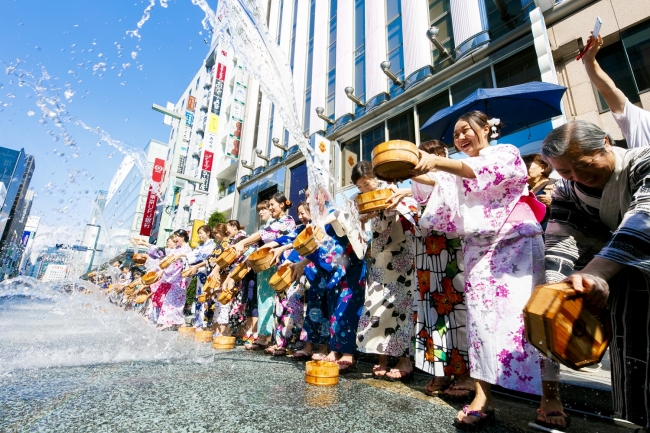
(613, 224)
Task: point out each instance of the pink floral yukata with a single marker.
(504, 260)
(171, 312)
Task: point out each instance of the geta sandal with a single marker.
(484, 419)
(544, 423)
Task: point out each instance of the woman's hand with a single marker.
(594, 288)
(277, 253)
(228, 284)
(396, 198)
(193, 270)
(367, 217)
(297, 270)
(240, 248)
(545, 199)
(427, 163)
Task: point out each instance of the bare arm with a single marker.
(429, 162)
(614, 97)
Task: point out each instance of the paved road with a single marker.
(233, 391)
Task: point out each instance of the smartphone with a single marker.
(595, 34)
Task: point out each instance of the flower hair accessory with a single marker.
(287, 202)
(494, 122)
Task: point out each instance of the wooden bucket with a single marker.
(566, 328)
(392, 160)
(187, 330)
(239, 272)
(203, 336)
(307, 241)
(211, 283)
(141, 299)
(372, 201)
(150, 278)
(202, 298)
(322, 373)
(165, 262)
(225, 296)
(135, 283)
(227, 257)
(281, 280)
(223, 343)
(186, 273)
(139, 259)
(261, 259)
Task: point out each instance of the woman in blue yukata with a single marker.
(336, 273)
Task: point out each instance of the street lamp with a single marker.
(432, 35)
(259, 153)
(349, 92)
(319, 113)
(385, 66)
(276, 143)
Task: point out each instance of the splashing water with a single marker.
(240, 24)
(71, 323)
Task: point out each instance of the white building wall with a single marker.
(466, 18)
(344, 56)
(376, 81)
(302, 27)
(415, 22)
(319, 65)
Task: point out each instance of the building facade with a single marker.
(17, 170)
(128, 204)
(365, 72)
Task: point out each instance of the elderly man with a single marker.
(599, 237)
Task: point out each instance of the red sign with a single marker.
(158, 169)
(191, 103)
(149, 213)
(207, 160)
(221, 72)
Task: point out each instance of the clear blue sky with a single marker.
(68, 38)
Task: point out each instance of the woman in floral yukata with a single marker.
(483, 199)
(158, 289)
(440, 312)
(386, 322)
(281, 224)
(289, 307)
(171, 312)
(197, 260)
(233, 315)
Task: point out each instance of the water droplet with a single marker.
(30, 113)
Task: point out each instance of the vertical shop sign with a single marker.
(191, 103)
(236, 121)
(149, 214)
(206, 169)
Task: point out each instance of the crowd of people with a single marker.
(451, 263)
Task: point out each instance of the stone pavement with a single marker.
(235, 391)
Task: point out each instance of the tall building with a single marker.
(17, 170)
(27, 239)
(365, 72)
(130, 206)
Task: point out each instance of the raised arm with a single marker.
(614, 97)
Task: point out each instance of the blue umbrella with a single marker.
(517, 107)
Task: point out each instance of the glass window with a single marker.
(333, 29)
(270, 135)
(465, 88)
(359, 50)
(613, 61)
(440, 16)
(331, 64)
(394, 31)
(500, 24)
(393, 9)
(305, 126)
(370, 139)
(292, 48)
(428, 108)
(519, 68)
(286, 138)
(402, 127)
(280, 22)
(637, 46)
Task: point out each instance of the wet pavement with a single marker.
(234, 391)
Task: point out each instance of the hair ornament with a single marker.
(288, 202)
(494, 122)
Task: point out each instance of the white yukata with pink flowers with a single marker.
(171, 312)
(504, 261)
